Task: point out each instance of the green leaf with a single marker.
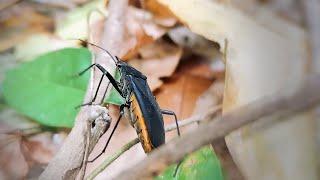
(47, 89)
(201, 165)
(114, 97)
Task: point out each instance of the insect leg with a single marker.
(105, 92)
(113, 130)
(168, 112)
(95, 96)
(177, 167)
(106, 73)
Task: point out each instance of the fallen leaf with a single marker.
(264, 54)
(202, 164)
(180, 92)
(13, 161)
(141, 30)
(49, 76)
(35, 151)
(159, 59)
(74, 25)
(40, 43)
(25, 154)
(194, 43)
(162, 15)
(157, 8)
(18, 26)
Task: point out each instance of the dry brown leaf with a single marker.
(12, 162)
(19, 154)
(19, 151)
(160, 59)
(194, 43)
(141, 29)
(162, 15)
(181, 91)
(19, 25)
(157, 8)
(39, 151)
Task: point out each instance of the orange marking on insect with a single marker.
(140, 125)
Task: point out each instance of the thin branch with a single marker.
(306, 97)
(112, 158)
(86, 152)
(68, 161)
(194, 119)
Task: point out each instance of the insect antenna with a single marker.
(86, 42)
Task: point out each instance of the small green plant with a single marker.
(200, 165)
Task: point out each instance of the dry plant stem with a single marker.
(112, 158)
(114, 29)
(86, 152)
(194, 119)
(307, 96)
(67, 162)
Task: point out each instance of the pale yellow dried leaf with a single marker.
(264, 54)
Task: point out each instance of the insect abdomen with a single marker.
(149, 123)
(139, 124)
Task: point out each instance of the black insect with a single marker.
(143, 110)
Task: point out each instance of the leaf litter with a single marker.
(178, 71)
(24, 146)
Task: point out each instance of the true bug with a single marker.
(145, 114)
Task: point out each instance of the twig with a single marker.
(86, 152)
(194, 119)
(68, 161)
(279, 104)
(112, 158)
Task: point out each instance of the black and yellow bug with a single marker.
(143, 110)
